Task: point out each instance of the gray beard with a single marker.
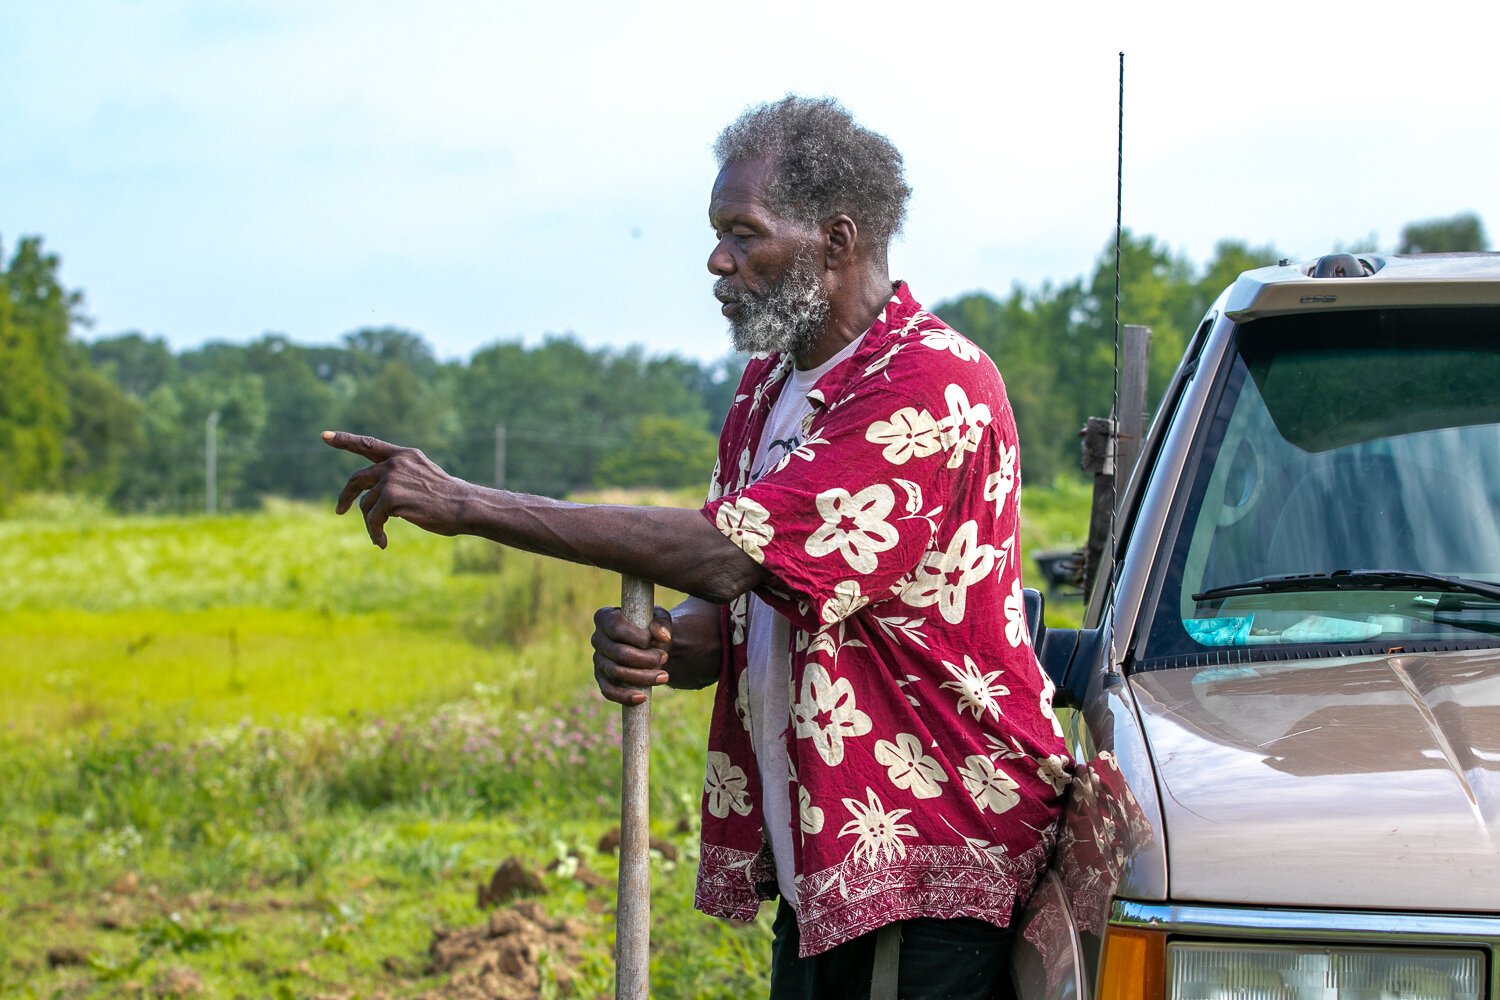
(787, 319)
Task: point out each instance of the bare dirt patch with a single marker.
(511, 879)
(610, 843)
(504, 958)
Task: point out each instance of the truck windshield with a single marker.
(1347, 490)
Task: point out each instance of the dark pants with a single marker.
(959, 959)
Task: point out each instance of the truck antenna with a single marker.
(1119, 202)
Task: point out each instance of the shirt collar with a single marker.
(893, 320)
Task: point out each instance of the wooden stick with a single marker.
(633, 896)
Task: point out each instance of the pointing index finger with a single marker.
(374, 449)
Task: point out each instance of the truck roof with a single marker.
(1366, 281)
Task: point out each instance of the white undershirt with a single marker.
(768, 651)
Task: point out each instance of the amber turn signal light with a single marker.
(1133, 964)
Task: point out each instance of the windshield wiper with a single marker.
(1355, 579)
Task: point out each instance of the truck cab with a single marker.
(1286, 687)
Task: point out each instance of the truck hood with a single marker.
(1353, 782)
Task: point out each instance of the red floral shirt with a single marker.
(927, 766)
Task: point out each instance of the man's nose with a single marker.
(721, 261)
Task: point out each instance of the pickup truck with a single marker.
(1286, 687)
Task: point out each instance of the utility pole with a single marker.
(500, 456)
(1135, 347)
(211, 462)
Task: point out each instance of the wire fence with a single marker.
(553, 461)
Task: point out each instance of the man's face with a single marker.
(770, 268)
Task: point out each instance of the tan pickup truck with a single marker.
(1288, 679)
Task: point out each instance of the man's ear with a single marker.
(841, 240)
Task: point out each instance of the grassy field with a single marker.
(254, 756)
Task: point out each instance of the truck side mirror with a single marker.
(1034, 604)
(1067, 654)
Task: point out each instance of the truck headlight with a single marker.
(1308, 972)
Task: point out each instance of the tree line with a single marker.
(126, 419)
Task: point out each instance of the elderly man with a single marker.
(883, 753)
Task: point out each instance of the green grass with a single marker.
(1054, 517)
(258, 747)
(310, 751)
(220, 665)
(294, 557)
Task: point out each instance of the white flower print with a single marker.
(739, 611)
(826, 712)
(1048, 690)
(944, 578)
(907, 766)
(879, 831)
(715, 488)
(1016, 632)
(725, 786)
(832, 638)
(809, 816)
(1004, 749)
(770, 380)
(913, 494)
(947, 340)
(881, 362)
(803, 451)
(964, 424)
(999, 484)
(910, 433)
(978, 693)
(845, 601)
(742, 700)
(989, 787)
(1055, 770)
(917, 319)
(747, 524)
(854, 525)
(983, 850)
(899, 626)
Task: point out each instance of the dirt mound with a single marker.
(610, 843)
(177, 981)
(511, 879)
(503, 958)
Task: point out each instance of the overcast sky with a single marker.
(215, 169)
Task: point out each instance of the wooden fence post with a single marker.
(1111, 448)
(1135, 344)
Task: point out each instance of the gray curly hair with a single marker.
(826, 164)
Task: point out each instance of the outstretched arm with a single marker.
(673, 547)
